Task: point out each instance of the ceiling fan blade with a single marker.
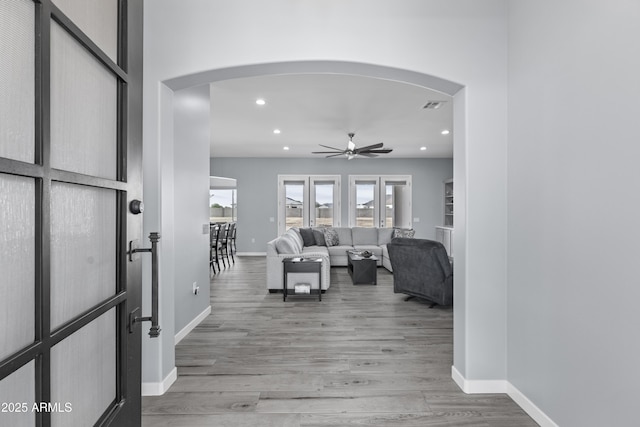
(326, 152)
(333, 148)
(367, 154)
(334, 155)
(383, 151)
(368, 147)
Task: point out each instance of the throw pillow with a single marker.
(294, 233)
(286, 245)
(384, 235)
(331, 237)
(308, 237)
(404, 232)
(319, 236)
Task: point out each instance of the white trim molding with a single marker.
(158, 389)
(505, 387)
(191, 325)
(529, 407)
(478, 386)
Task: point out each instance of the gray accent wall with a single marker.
(573, 324)
(258, 189)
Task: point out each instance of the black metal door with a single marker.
(70, 164)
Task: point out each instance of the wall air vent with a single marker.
(433, 105)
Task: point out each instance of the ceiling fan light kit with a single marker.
(352, 151)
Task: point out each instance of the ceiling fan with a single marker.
(351, 151)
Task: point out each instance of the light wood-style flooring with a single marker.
(361, 357)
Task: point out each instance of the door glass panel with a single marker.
(324, 204)
(98, 19)
(17, 263)
(397, 203)
(83, 373)
(83, 249)
(389, 206)
(83, 109)
(294, 203)
(18, 390)
(17, 76)
(365, 204)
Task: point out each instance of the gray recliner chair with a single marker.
(421, 268)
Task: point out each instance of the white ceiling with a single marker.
(312, 109)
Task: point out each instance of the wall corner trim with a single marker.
(191, 325)
(159, 388)
(478, 386)
(502, 386)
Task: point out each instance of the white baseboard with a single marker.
(529, 407)
(502, 386)
(251, 254)
(158, 389)
(478, 386)
(191, 325)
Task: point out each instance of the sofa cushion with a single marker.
(344, 235)
(318, 235)
(331, 237)
(340, 250)
(385, 235)
(403, 232)
(364, 236)
(308, 238)
(286, 245)
(315, 250)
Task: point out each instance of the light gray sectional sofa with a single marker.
(292, 244)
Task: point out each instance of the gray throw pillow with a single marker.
(308, 237)
(319, 236)
(404, 232)
(331, 237)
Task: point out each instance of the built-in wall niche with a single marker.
(223, 199)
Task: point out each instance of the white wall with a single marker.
(574, 181)
(462, 41)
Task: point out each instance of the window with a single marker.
(366, 201)
(223, 205)
(308, 201)
(295, 201)
(380, 201)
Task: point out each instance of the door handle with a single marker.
(154, 331)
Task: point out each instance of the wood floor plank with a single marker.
(222, 420)
(297, 382)
(200, 403)
(339, 401)
(361, 356)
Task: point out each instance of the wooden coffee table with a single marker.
(363, 271)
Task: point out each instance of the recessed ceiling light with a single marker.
(423, 148)
(445, 132)
(285, 148)
(260, 101)
(276, 131)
